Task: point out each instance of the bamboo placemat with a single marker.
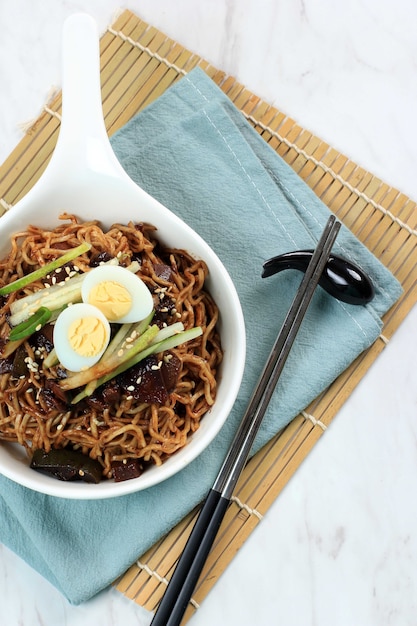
(138, 63)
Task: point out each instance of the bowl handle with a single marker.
(83, 141)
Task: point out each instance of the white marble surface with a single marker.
(338, 547)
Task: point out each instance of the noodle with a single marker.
(125, 427)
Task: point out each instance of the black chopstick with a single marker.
(181, 586)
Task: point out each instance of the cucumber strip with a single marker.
(117, 340)
(54, 301)
(26, 280)
(132, 329)
(54, 297)
(90, 387)
(50, 360)
(87, 391)
(33, 300)
(153, 348)
(103, 367)
(168, 331)
(174, 341)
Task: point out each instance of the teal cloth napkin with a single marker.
(194, 151)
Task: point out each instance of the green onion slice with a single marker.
(24, 281)
(31, 325)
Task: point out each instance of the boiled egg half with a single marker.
(81, 335)
(120, 294)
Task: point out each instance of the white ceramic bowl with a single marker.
(84, 177)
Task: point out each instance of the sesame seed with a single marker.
(129, 397)
(131, 388)
(120, 353)
(60, 427)
(58, 270)
(81, 472)
(38, 327)
(139, 380)
(178, 315)
(32, 365)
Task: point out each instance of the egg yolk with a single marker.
(87, 336)
(112, 298)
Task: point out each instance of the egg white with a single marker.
(141, 297)
(67, 356)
